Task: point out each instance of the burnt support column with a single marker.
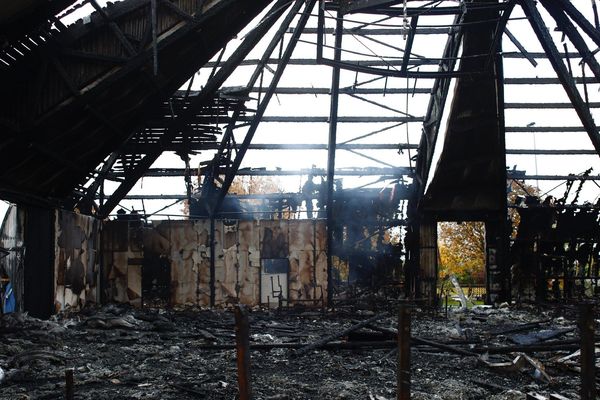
(588, 359)
(428, 266)
(403, 372)
(212, 261)
(497, 270)
(69, 384)
(242, 340)
(38, 274)
(333, 116)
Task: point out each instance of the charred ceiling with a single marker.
(73, 95)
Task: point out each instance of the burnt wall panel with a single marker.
(75, 259)
(184, 246)
(122, 250)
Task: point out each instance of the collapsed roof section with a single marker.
(73, 95)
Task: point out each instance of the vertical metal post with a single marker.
(588, 361)
(212, 260)
(154, 37)
(242, 340)
(403, 372)
(69, 386)
(333, 118)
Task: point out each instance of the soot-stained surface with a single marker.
(124, 353)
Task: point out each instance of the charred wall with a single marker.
(58, 259)
(170, 261)
(76, 240)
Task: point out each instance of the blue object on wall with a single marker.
(9, 299)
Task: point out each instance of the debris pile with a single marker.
(121, 352)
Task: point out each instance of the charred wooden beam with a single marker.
(329, 338)
(242, 338)
(205, 94)
(342, 119)
(581, 20)
(564, 23)
(546, 105)
(432, 11)
(331, 150)
(404, 339)
(560, 129)
(376, 31)
(588, 351)
(521, 48)
(409, 42)
(547, 43)
(287, 54)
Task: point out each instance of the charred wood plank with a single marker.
(519, 328)
(321, 342)
(242, 338)
(588, 352)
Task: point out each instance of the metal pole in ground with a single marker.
(69, 386)
(242, 339)
(588, 362)
(403, 372)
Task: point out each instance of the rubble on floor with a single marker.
(118, 352)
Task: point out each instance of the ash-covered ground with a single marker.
(123, 353)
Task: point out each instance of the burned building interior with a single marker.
(251, 199)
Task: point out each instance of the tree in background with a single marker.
(461, 249)
(255, 185)
(461, 246)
